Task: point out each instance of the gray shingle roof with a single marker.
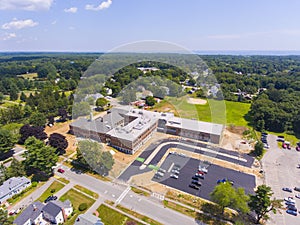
(32, 212)
(52, 209)
(88, 219)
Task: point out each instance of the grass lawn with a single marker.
(29, 76)
(235, 111)
(112, 217)
(87, 191)
(53, 188)
(76, 198)
(64, 180)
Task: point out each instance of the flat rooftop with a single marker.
(196, 125)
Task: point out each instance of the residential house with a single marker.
(53, 213)
(12, 187)
(31, 215)
(57, 211)
(88, 219)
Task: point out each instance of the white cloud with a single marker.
(19, 24)
(8, 36)
(54, 22)
(30, 5)
(103, 5)
(71, 10)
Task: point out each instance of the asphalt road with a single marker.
(280, 167)
(134, 168)
(189, 167)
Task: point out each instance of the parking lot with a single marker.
(188, 168)
(280, 166)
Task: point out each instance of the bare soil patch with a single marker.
(196, 101)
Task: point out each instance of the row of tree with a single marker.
(261, 202)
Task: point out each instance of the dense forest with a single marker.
(270, 83)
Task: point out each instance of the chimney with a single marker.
(34, 207)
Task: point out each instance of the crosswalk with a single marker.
(122, 196)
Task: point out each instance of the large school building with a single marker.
(127, 128)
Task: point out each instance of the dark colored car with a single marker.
(287, 189)
(195, 178)
(51, 198)
(60, 170)
(297, 188)
(289, 211)
(292, 207)
(194, 186)
(196, 182)
(199, 176)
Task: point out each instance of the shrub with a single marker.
(82, 207)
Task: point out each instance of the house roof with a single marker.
(32, 212)
(12, 184)
(52, 209)
(88, 219)
(63, 205)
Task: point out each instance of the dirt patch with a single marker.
(63, 129)
(196, 101)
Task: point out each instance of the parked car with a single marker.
(203, 169)
(51, 198)
(175, 171)
(199, 176)
(162, 170)
(195, 178)
(298, 146)
(264, 134)
(290, 203)
(287, 189)
(174, 176)
(60, 170)
(176, 167)
(266, 145)
(289, 211)
(194, 186)
(225, 180)
(201, 172)
(292, 207)
(297, 195)
(160, 173)
(289, 199)
(297, 188)
(196, 182)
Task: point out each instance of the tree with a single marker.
(227, 196)
(13, 94)
(59, 142)
(90, 154)
(150, 101)
(63, 114)
(26, 131)
(23, 97)
(258, 148)
(51, 120)
(39, 157)
(4, 220)
(16, 169)
(1, 97)
(80, 109)
(37, 119)
(101, 103)
(262, 204)
(7, 141)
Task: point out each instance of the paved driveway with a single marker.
(280, 171)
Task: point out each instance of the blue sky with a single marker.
(100, 25)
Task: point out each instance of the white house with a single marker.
(12, 187)
(65, 206)
(53, 213)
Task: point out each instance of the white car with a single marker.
(175, 171)
(174, 176)
(289, 199)
(297, 195)
(203, 169)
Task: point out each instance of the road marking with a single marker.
(125, 192)
(169, 170)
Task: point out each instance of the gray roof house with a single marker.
(31, 215)
(88, 219)
(53, 213)
(13, 186)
